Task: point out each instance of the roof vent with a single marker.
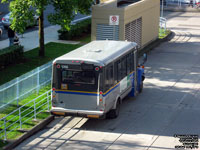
(94, 50)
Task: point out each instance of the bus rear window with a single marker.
(81, 77)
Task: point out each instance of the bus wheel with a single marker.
(141, 87)
(114, 113)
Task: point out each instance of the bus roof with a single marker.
(101, 52)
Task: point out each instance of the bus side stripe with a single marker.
(77, 93)
(105, 94)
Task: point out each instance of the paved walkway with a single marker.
(181, 8)
(30, 40)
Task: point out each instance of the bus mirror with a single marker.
(144, 58)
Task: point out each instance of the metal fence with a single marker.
(21, 87)
(163, 26)
(24, 115)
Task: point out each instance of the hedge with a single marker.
(10, 55)
(75, 30)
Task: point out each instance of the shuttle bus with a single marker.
(92, 80)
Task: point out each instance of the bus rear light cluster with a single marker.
(97, 68)
(58, 66)
(77, 61)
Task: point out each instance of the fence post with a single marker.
(48, 100)
(5, 135)
(17, 92)
(38, 80)
(20, 118)
(34, 111)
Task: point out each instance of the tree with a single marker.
(65, 11)
(23, 11)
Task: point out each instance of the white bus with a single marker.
(92, 80)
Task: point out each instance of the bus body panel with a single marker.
(78, 100)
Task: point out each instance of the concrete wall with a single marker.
(101, 14)
(149, 10)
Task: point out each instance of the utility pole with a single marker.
(162, 9)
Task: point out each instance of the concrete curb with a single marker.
(29, 133)
(155, 43)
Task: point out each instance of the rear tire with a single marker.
(114, 113)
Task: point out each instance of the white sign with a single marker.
(114, 20)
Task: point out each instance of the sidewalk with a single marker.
(182, 8)
(30, 40)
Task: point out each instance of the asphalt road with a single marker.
(169, 104)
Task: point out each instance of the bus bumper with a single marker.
(82, 113)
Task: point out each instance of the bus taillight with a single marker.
(97, 68)
(101, 101)
(58, 66)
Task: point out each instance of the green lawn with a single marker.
(32, 60)
(162, 33)
(27, 113)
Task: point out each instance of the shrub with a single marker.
(10, 55)
(76, 30)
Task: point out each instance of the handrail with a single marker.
(20, 119)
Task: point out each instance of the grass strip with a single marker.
(163, 33)
(27, 114)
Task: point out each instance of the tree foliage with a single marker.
(65, 11)
(23, 12)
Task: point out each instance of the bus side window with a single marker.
(115, 72)
(109, 80)
(111, 76)
(123, 67)
(119, 71)
(128, 63)
(132, 61)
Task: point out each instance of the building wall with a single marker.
(149, 10)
